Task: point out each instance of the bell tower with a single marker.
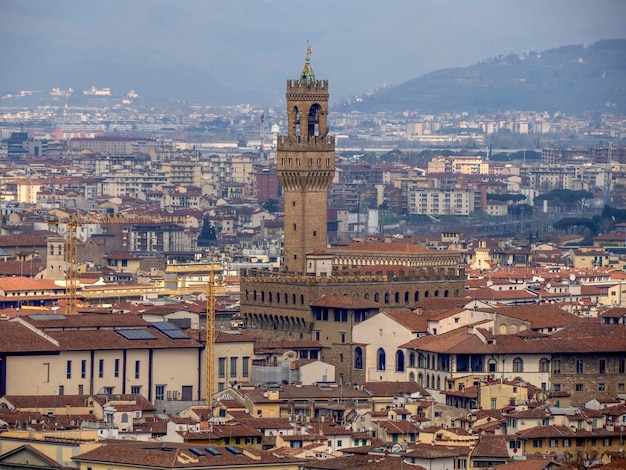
(306, 166)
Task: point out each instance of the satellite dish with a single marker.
(572, 277)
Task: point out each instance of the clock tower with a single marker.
(306, 167)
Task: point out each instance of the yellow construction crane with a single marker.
(71, 252)
(210, 338)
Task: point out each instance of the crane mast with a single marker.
(71, 260)
(210, 338)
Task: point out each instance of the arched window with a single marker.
(446, 293)
(397, 297)
(427, 381)
(254, 295)
(376, 297)
(262, 296)
(296, 130)
(386, 297)
(301, 299)
(518, 365)
(271, 297)
(358, 358)
(411, 376)
(124, 417)
(399, 361)
(438, 383)
(406, 297)
(380, 359)
(426, 294)
(492, 365)
(420, 379)
(416, 296)
(293, 299)
(412, 359)
(314, 120)
(544, 365)
(286, 298)
(436, 293)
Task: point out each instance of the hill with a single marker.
(570, 79)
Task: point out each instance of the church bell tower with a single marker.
(306, 167)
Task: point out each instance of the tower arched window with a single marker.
(397, 297)
(296, 129)
(386, 297)
(358, 358)
(399, 361)
(314, 120)
(380, 359)
(406, 297)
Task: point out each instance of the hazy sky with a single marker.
(357, 44)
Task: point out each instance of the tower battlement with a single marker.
(296, 86)
(306, 143)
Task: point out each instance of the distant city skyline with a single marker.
(242, 51)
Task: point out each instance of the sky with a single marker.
(248, 48)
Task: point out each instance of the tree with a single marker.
(271, 206)
(207, 234)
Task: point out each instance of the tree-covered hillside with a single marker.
(570, 79)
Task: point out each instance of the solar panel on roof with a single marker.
(136, 333)
(170, 330)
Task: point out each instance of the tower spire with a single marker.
(307, 76)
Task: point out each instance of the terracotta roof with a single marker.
(362, 461)
(491, 446)
(540, 315)
(10, 284)
(15, 241)
(16, 337)
(149, 455)
(402, 426)
(430, 452)
(90, 321)
(81, 340)
(393, 389)
(578, 337)
(412, 320)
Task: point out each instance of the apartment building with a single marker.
(433, 201)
